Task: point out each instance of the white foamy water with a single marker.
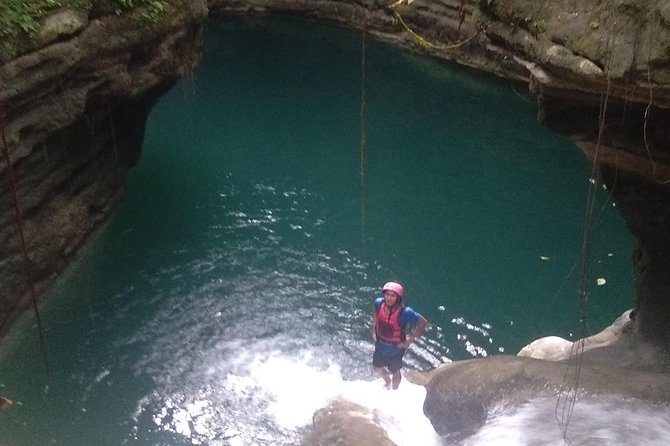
(595, 421)
(295, 390)
(256, 394)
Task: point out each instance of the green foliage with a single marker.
(21, 15)
(153, 9)
(21, 18)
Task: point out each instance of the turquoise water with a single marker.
(235, 282)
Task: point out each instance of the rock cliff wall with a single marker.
(73, 107)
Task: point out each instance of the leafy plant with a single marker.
(21, 18)
(19, 15)
(153, 8)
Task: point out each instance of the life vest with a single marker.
(388, 326)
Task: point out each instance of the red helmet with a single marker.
(393, 286)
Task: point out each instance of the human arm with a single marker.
(419, 327)
(373, 326)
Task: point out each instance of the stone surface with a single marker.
(461, 393)
(59, 25)
(618, 346)
(613, 362)
(345, 423)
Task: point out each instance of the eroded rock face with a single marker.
(73, 109)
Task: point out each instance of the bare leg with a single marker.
(385, 375)
(396, 379)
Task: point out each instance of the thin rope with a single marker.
(363, 136)
(646, 116)
(567, 402)
(16, 204)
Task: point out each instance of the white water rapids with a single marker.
(289, 389)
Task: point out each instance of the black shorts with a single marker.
(392, 362)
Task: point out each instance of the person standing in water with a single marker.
(394, 327)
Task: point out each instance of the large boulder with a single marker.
(345, 423)
(461, 395)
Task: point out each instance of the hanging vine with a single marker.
(423, 41)
(362, 117)
(570, 386)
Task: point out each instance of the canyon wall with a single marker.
(73, 106)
